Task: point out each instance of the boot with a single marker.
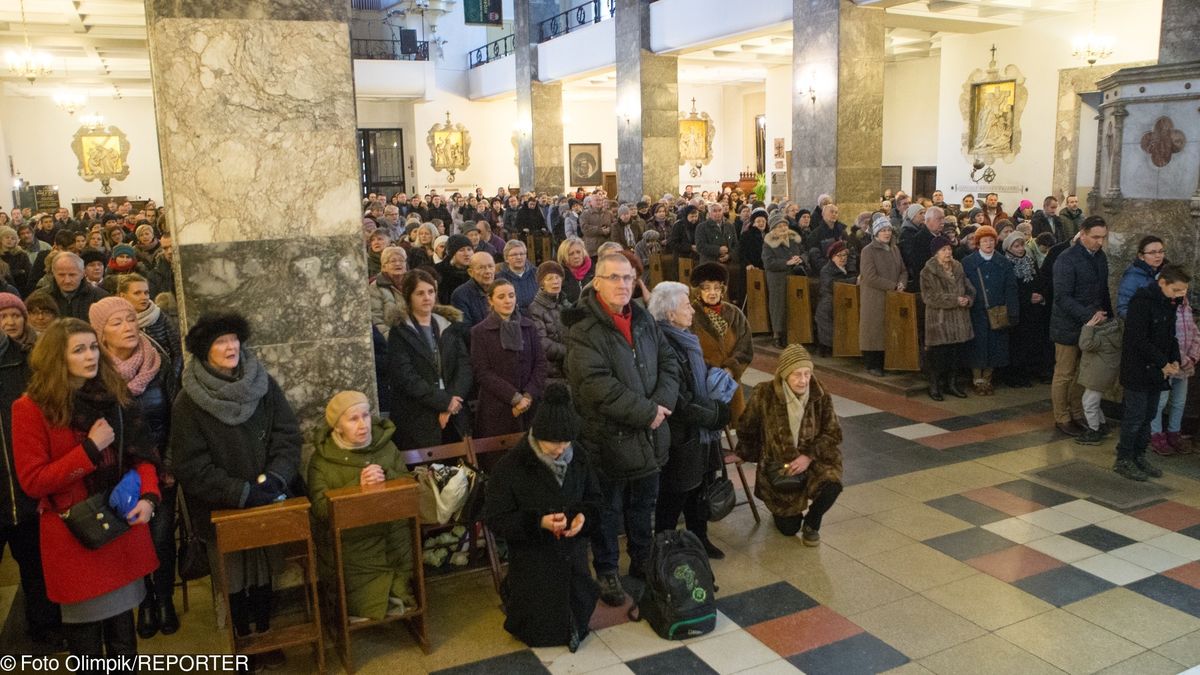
(781, 340)
(1160, 445)
(935, 387)
(239, 610)
(1180, 446)
(147, 617)
(260, 608)
(168, 620)
(953, 387)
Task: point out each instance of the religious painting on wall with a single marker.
(483, 12)
(584, 162)
(103, 154)
(991, 104)
(696, 134)
(449, 147)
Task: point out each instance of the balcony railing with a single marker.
(574, 18)
(492, 51)
(387, 50)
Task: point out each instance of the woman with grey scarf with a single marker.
(235, 444)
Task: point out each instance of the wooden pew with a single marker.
(684, 275)
(358, 506)
(656, 269)
(902, 351)
(545, 248)
(756, 301)
(845, 320)
(800, 316)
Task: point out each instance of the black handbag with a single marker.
(193, 552)
(783, 483)
(92, 521)
(720, 496)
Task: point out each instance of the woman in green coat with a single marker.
(355, 449)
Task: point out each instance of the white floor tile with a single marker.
(1179, 544)
(1054, 521)
(915, 431)
(1015, 529)
(724, 625)
(733, 652)
(845, 407)
(1112, 569)
(1150, 557)
(1134, 528)
(634, 640)
(1061, 548)
(1086, 511)
(779, 667)
(592, 655)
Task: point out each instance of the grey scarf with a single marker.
(148, 316)
(510, 333)
(230, 401)
(559, 466)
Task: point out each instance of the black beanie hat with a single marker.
(211, 326)
(556, 419)
(455, 243)
(91, 255)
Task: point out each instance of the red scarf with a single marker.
(623, 320)
(580, 272)
(121, 269)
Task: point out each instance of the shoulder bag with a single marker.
(998, 315)
(92, 521)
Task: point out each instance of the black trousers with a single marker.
(161, 582)
(872, 360)
(24, 539)
(826, 495)
(943, 359)
(251, 604)
(113, 636)
(690, 504)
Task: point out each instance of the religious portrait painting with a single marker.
(449, 147)
(103, 154)
(584, 162)
(693, 140)
(992, 107)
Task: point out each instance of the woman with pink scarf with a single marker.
(1188, 335)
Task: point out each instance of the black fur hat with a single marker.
(211, 326)
(709, 271)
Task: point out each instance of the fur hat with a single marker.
(341, 402)
(985, 232)
(211, 326)
(103, 309)
(938, 243)
(834, 248)
(709, 271)
(547, 268)
(793, 357)
(10, 301)
(556, 419)
(91, 255)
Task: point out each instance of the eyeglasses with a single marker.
(1157, 251)
(626, 279)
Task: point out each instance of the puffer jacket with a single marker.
(618, 388)
(1138, 275)
(546, 314)
(1100, 361)
(1080, 290)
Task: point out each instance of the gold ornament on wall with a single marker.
(696, 134)
(449, 147)
(992, 103)
(103, 154)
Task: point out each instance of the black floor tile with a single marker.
(763, 604)
(967, 509)
(1063, 585)
(524, 662)
(968, 544)
(1035, 492)
(1169, 592)
(880, 421)
(863, 653)
(681, 660)
(1098, 537)
(1193, 531)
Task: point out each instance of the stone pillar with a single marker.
(837, 132)
(647, 109)
(1177, 41)
(539, 111)
(260, 173)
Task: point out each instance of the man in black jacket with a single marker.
(915, 249)
(1149, 355)
(623, 374)
(74, 297)
(1048, 220)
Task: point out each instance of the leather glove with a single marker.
(260, 495)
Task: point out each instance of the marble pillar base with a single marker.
(1169, 219)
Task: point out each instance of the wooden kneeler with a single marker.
(684, 266)
(358, 506)
(656, 270)
(545, 248)
(845, 320)
(799, 310)
(756, 301)
(284, 522)
(901, 350)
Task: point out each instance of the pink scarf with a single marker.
(139, 369)
(581, 271)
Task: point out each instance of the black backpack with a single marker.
(680, 597)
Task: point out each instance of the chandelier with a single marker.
(92, 121)
(28, 64)
(1092, 47)
(69, 101)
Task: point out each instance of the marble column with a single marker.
(540, 151)
(837, 103)
(647, 109)
(1180, 25)
(254, 102)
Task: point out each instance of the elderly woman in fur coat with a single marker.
(948, 298)
(722, 328)
(782, 256)
(790, 430)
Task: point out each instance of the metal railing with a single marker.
(576, 17)
(492, 51)
(387, 50)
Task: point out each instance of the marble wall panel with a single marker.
(1180, 27)
(289, 10)
(1171, 219)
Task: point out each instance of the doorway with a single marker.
(924, 181)
(609, 183)
(381, 161)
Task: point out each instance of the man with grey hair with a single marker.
(915, 249)
(471, 298)
(595, 223)
(74, 297)
(517, 269)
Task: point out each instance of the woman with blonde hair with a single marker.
(572, 255)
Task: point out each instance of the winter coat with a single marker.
(618, 388)
(79, 303)
(1100, 360)
(764, 436)
(1000, 215)
(916, 255)
(882, 271)
(546, 315)
(734, 350)
(946, 323)
(530, 219)
(778, 246)
(1080, 290)
(415, 372)
(989, 348)
(502, 375)
(750, 247)
(690, 458)
(596, 225)
(216, 463)
(377, 559)
(830, 274)
(1139, 274)
(1149, 341)
(617, 235)
(451, 277)
(15, 506)
(548, 593)
(472, 300)
(572, 287)
(711, 235)
(52, 466)
(1055, 226)
(383, 295)
(683, 237)
(525, 284)
(1073, 218)
(19, 268)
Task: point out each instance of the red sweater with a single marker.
(51, 464)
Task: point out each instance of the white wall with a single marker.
(1039, 49)
(591, 117)
(779, 116)
(910, 116)
(682, 23)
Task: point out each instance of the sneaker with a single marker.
(1180, 446)
(1129, 470)
(1160, 446)
(713, 552)
(611, 592)
(809, 536)
(1068, 428)
(1089, 437)
(1147, 468)
(1105, 430)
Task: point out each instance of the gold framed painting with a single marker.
(992, 107)
(449, 147)
(693, 140)
(103, 154)
(584, 162)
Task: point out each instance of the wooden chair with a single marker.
(357, 506)
(656, 269)
(730, 458)
(284, 522)
(545, 248)
(480, 449)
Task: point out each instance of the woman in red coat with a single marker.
(507, 359)
(65, 445)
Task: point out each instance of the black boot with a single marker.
(781, 340)
(935, 387)
(239, 611)
(168, 620)
(953, 388)
(260, 607)
(147, 618)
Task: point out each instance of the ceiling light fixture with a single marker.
(28, 64)
(70, 101)
(1092, 47)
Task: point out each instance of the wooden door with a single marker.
(800, 317)
(756, 301)
(845, 320)
(924, 181)
(609, 180)
(901, 349)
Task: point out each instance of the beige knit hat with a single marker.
(341, 402)
(793, 357)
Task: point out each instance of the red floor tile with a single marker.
(797, 633)
(1014, 564)
(912, 408)
(1003, 501)
(986, 432)
(1171, 515)
(1187, 574)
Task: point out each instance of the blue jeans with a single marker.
(1140, 407)
(1177, 397)
(634, 499)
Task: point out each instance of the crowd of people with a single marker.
(622, 391)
